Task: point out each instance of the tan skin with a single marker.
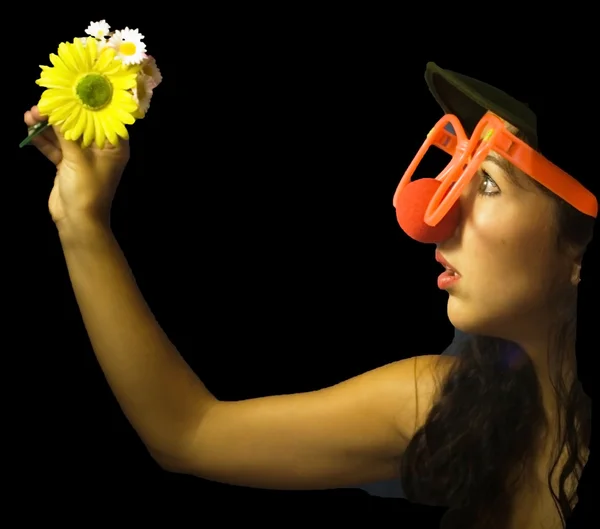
(505, 247)
(352, 433)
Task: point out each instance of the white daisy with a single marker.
(98, 30)
(142, 94)
(129, 46)
(151, 70)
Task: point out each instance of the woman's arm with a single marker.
(348, 434)
(156, 389)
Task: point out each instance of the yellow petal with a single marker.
(100, 137)
(115, 125)
(62, 113)
(44, 108)
(57, 92)
(54, 81)
(77, 130)
(50, 83)
(110, 133)
(54, 96)
(88, 133)
(125, 77)
(123, 83)
(82, 55)
(58, 73)
(91, 49)
(135, 68)
(65, 54)
(52, 99)
(121, 115)
(55, 74)
(124, 100)
(77, 59)
(72, 119)
(121, 72)
(114, 68)
(59, 64)
(58, 114)
(52, 119)
(104, 60)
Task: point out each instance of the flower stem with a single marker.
(33, 132)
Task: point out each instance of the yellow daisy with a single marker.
(88, 93)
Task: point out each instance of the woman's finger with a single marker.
(33, 117)
(48, 149)
(35, 114)
(46, 143)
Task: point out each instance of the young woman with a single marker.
(498, 430)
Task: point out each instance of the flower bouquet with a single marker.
(96, 86)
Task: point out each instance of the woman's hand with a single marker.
(86, 179)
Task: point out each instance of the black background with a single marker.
(256, 215)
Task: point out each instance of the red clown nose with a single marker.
(410, 212)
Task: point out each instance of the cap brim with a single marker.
(469, 99)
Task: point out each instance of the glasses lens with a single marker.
(436, 159)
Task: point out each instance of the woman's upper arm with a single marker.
(354, 432)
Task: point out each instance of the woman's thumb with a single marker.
(70, 149)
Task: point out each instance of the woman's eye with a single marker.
(488, 187)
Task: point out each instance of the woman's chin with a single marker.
(465, 320)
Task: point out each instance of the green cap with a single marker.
(469, 100)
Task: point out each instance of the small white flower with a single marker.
(98, 30)
(142, 94)
(129, 46)
(151, 70)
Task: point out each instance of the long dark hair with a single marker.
(483, 432)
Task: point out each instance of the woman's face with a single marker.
(506, 253)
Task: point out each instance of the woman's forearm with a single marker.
(158, 392)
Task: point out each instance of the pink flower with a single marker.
(150, 69)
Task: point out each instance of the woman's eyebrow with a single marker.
(503, 163)
(507, 167)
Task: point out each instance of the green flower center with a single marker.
(94, 91)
